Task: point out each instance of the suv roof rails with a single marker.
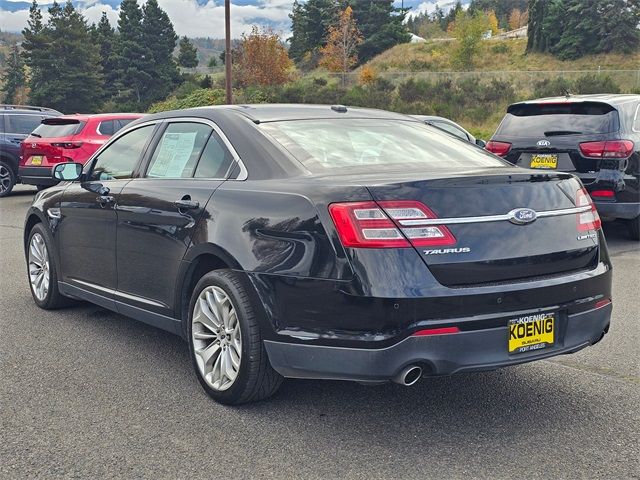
(27, 107)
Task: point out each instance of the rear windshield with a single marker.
(58, 128)
(324, 145)
(550, 119)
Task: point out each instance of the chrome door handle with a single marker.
(186, 204)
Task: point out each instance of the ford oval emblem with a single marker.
(544, 143)
(522, 216)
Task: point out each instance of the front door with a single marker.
(87, 228)
(159, 213)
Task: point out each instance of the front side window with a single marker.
(179, 150)
(119, 159)
(22, 124)
(359, 144)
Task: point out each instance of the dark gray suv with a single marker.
(16, 123)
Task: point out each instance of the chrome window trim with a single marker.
(493, 218)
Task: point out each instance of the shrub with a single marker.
(595, 84)
(551, 87)
(412, 90)
(367, 75)
(500, 47)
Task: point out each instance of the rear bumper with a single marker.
(36, 176)
(618, 209)
(438, 354)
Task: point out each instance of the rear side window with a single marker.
(551, 119)
(179, 150)
(22, 124)
(452, 129)
(215, 159)
(107, 128)
(122, 123)
(58, 128)
(387, 145)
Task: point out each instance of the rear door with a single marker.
(159, 213)
(547, 135)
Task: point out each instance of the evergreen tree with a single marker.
(381, 25)
(14, 79)
(160, 38)
(104, 36)
(310, 22)
(536, 39)
(73, 79)
(188, 54)
(618, 30)
(34, 48)
(133, 58)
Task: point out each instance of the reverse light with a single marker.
(589, 220)
(69, 145)
(607, 149)
(379, 225)
(436, 331)
(498, 148)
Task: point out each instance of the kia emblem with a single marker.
(544, 143)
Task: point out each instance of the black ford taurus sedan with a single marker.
(323, 242)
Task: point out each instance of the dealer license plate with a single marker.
(544, 160)
(531, 332)
(36, 160)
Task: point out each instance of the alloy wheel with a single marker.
(39, 271)
(216, 336)
(5, 179)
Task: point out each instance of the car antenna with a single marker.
(566, 92)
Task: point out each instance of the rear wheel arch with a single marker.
(196, 266)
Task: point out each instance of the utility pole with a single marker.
(227, 50)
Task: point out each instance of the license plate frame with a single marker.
(36, 160)
(531, 332)
(547, 161)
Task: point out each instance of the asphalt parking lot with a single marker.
(89, 393)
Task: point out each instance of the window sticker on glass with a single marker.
(174, 153)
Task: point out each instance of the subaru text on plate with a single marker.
(323, 242)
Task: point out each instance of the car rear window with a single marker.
(322, 145)
(58, 128)
(567, 118)
(22, 124)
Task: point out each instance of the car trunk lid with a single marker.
(489, 244)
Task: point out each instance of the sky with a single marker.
(194, 18)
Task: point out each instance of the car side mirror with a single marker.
(67, 171)
(481, 143)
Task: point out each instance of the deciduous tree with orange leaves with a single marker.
(262, 59)
(339, 54)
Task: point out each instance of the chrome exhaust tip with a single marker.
(408, 375)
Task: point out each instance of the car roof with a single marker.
(260, 113)
(28, 109)
(609, 98)
(100, 116)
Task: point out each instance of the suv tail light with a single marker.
(607, 149)
(380, 225)
(69, 145)
(499, 148)
(589, 220)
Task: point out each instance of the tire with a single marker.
(634, 228)
(39, 259)
(7, 179)
(240, 353)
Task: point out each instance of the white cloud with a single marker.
(187, 16)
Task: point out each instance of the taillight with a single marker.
(67, 144)
(380, 225)
(499, 148)
(607, 149)
(589, 220)
(608, 194)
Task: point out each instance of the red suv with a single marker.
(68, 138)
